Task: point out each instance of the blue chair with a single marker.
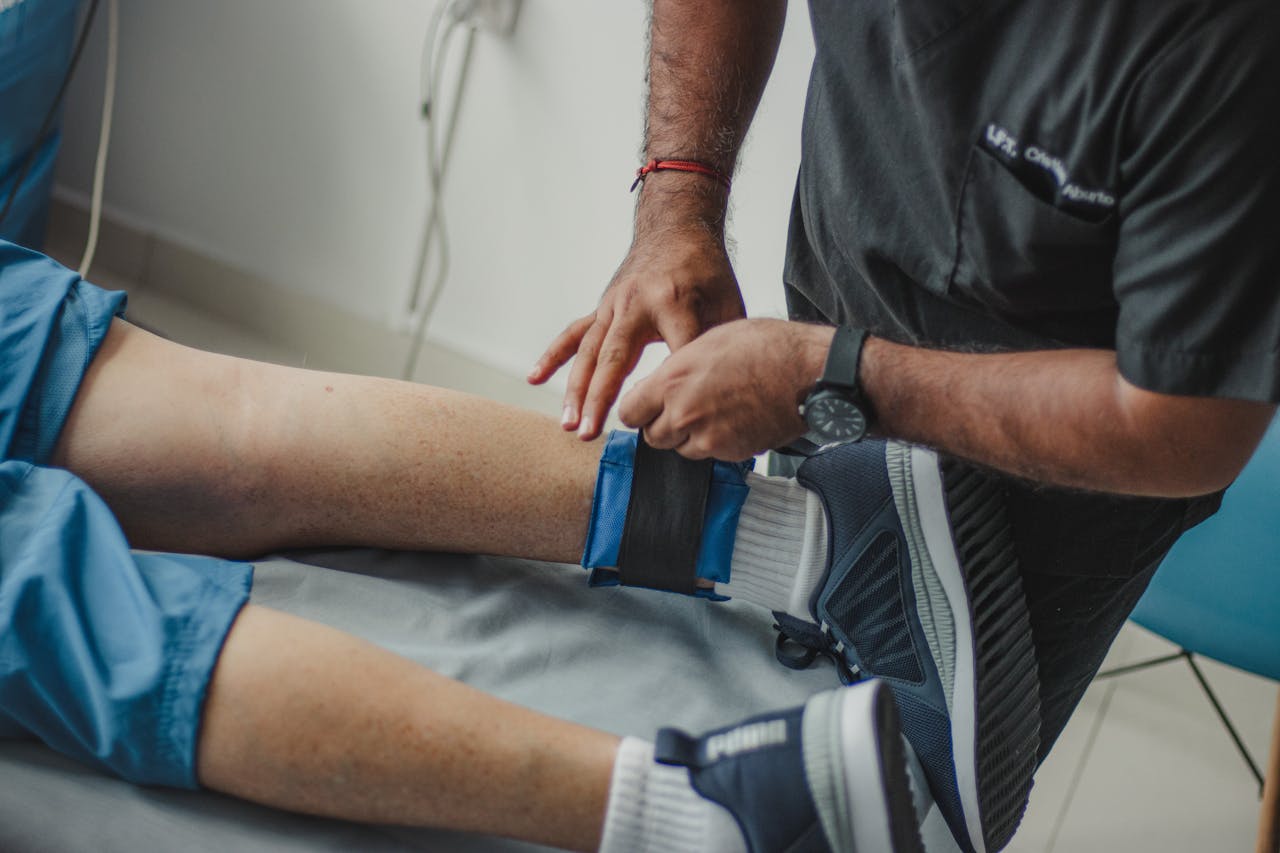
(1217, 594)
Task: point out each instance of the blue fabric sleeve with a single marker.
(105, 655)
(609, 503)
(612, 495)
(51, 326)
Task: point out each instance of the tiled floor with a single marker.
(1144, 765)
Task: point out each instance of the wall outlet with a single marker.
(492, 16)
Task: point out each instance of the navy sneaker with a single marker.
(922, 590)
(830, 777)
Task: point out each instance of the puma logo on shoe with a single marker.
(744, 739)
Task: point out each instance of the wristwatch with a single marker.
(836, 411)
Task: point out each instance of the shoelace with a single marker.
(813, 641)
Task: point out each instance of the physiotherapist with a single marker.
(1048, 229)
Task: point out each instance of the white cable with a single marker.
(437, 162)
(432, 47)
(104, 136)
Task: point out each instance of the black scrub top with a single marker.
(993, 175)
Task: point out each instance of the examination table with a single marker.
(624, 660)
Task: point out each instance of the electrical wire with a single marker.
(439, 156)
(431, 48)
(434, 170)
(435, 231)
(104, 136)
(52, 113)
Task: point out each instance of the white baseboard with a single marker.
(333, 338)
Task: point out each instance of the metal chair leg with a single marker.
(1226, 721)
(1208, 692)
(1134, 667)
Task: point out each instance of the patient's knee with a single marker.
(105, 655)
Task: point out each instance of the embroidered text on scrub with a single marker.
(999, 139)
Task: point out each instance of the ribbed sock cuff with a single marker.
(812, 567)
(780, 551)
(654, 809)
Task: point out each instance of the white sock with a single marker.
(654, 809)
(780, 550)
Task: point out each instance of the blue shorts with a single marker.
(105, 654)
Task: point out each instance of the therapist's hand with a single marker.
(733, 392)
(671, 287)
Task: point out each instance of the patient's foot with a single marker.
(829, 776)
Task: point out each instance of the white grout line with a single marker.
(1125, 641)
(1109, 690)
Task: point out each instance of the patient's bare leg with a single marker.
(206, 453)
(200, 452)
(306, 718)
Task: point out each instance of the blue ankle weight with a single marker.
(609, 514)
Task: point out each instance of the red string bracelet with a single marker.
(679, 166)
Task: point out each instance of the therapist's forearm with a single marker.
(1062, 417)
(709, 61)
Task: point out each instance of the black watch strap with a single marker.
(844, 358)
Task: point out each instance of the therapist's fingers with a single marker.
(695, 446)
(679, 328)
(562, 349)
(617, 358)
(584, 366)
(661, 434)
(641, 406)
(664, 433)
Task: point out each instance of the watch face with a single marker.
(835, 419)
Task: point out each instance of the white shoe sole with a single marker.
(994, 699)
(856, 766)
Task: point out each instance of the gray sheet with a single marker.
(623, 660)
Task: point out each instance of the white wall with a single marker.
(283, 137)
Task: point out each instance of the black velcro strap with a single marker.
(663, 531)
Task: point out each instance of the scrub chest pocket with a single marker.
(1020, 253)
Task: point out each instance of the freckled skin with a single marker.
(268, 458)
(303, 717)
(203, 453)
